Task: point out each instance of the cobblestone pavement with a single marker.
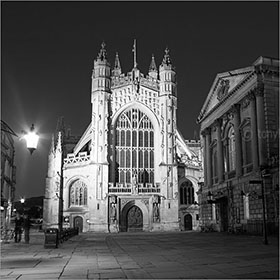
(185, 255)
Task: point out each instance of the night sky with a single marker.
(48, 49)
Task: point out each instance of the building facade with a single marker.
(131, 169)
(240, 138)
(8, 174)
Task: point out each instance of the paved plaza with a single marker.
(184, 255)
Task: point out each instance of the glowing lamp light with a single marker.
(32, 139)
(22, 200)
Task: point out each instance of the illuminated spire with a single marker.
(117, 68)
(153, 68)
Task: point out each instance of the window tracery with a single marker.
(78, 193)
(134, 147)
(186, 193)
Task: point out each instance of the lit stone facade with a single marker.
(126, 170)
(8, 173)
(240, 132)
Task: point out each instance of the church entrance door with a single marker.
(188, 222)
(78, 223)
(134, 219)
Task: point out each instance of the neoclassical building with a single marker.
(240, 138)
(131, 169)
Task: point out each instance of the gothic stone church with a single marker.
(131, 170)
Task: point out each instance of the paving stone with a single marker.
(158, 255)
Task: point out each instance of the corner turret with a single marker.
(101, 75)
(167, 76)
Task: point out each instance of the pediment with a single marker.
(224, 85)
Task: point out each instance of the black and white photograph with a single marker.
(139, 140)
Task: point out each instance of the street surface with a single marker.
(185, 255)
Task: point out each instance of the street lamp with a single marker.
(262, 196)
(31, 139)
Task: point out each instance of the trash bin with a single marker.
(51, 238)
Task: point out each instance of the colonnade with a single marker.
(257, 126)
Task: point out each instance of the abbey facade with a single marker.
(132, 169)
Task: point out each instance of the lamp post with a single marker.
(262, 196)
(59, 194)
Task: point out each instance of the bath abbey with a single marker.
(131, 170)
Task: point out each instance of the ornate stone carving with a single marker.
(251, 95)
(223, 89)
(245, 103)
(145, 201)
(217, 124)
(206, 131)
(124, 201)
(156, 217)
(234, 109)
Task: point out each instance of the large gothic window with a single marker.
(78, 193)
(186, 193)
(134, 148)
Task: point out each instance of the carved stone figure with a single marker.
(156, 212)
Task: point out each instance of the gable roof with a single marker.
(224, 85)
(227, 83)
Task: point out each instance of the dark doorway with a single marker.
(134, 219)
(223, 214)
(78, 223)
(188, 222)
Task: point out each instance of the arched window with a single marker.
(231, 149)
(78, 193)
(134, 147)
(186, 193)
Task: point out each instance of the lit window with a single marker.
(78, 193)
(134, 147)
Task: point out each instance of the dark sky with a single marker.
(48, 50)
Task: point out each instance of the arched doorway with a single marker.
(78, 223)
(188, 222)
(134, 219)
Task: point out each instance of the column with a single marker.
(208, 157)
(204, 157)
(219, 151)
(238, 145)
(261, 123)
(254, 133)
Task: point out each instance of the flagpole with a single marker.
(134, 51)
